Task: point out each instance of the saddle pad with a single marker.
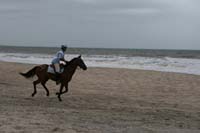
(50, 70)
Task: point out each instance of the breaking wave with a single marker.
(167, 64)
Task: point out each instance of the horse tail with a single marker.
(30, 73)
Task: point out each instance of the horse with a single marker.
(65, 77)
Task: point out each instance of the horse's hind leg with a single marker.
(34, 84)
(47, 91)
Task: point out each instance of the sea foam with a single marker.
(167, 64)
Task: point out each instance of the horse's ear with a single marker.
(79, 56)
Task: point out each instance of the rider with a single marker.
(56, 61)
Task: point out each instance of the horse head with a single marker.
(81, 63)
(76, 62)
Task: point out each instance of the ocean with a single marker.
(181, 61)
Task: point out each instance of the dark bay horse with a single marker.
(65, 77)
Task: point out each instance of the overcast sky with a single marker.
(151, 24)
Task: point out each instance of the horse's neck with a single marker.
(70, 69)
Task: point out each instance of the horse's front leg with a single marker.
(66, 89)
(59, 94)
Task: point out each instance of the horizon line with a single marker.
(126, 48)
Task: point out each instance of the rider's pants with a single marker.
(57, 68)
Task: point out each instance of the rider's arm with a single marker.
(61, 57)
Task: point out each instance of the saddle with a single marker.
(51, 70)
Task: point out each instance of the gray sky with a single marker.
(152, 24)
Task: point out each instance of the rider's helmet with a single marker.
(64, 47)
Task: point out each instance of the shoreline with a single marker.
(101, 100)
(112, 60)
(133, 69)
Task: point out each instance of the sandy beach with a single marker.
(101, 100)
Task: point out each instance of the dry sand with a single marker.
(101, 100)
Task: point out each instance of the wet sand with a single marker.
(101, 100)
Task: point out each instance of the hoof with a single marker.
(59, 98)
(57, 93)
(33, 95)
(47, 94)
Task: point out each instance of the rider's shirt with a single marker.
(59, 55)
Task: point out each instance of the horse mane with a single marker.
(70, 62)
